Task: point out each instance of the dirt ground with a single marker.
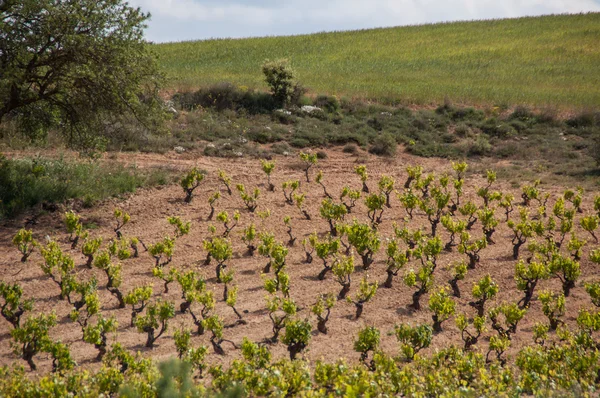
(149, 209)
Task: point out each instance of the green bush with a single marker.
(328, 103)
(384, 145)
(28, 182)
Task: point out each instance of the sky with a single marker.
(178, 20)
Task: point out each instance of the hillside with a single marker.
(534, 60)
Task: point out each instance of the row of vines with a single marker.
(550, 238)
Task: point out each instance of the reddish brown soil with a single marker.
(149, 209)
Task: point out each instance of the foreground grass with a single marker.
(28, 182)
(550, 60)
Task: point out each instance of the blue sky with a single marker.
(177, 20)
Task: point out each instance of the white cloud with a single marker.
(197, 19)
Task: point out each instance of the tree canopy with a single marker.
(81, 66)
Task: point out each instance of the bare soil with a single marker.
(149, 209)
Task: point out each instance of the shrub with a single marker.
(280, 77)
(350, 148)
(327, 102)
(384, 145)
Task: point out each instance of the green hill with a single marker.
(549, 60)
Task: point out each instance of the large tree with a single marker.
(81, 66)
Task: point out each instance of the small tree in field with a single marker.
(162, 251)
(470, 338)
(250, 198)
(113, 276)
(12, 306)
(289, 187)
(157, 316)
(248, 238)
(593, 290)
(498, 345)
(225, 180)
(505, 318)
(413, 339)
(167, 277)
(231, 301)
(57, 262)
(280, 78)
(25, 243)
(488, 222)
(386, 187)
(567, 270)
(212, 200)
(194, 356)
(352, 196)
(322, 309)
(267, 241)
(397, 259)
(484, 290)
(319, 180)
(299, 200)
(442, 306)
(309, 159)
(471, 249)
(268, 168)
(590, 224)
(32, 337)
(366, 292)
(375, 203)
(527, 277)
(214, 324)
(223, 217)
(296, 337)
(507, 204)
(365, 240)
(122, 218)
(422, 281)
(343, 268)
(521, 230)
(280, 310)
(74, 228)
(190, 182)
(409, 201)
(553, 306)
(469, 210)
(368, 340)
(361, 171)
(458, 272)
(333, 213)
(414, 173)
(137, 299)
(220, 250)
(89, 249)
(96, 334)
(453, 227)
(435, 207)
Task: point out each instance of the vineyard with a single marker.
(307, 275)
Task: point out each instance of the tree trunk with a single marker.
(344, 292)
(416, 305)
(322, 325)
(359, 309)
(389, 280)
(437, 325)
(367, 260)
(455, 289)
(150, 339)
(516, 248)
(185, 306)
(323, 273)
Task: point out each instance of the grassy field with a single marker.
(550, 60)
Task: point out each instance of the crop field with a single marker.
(454, 260)
(538, 61)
